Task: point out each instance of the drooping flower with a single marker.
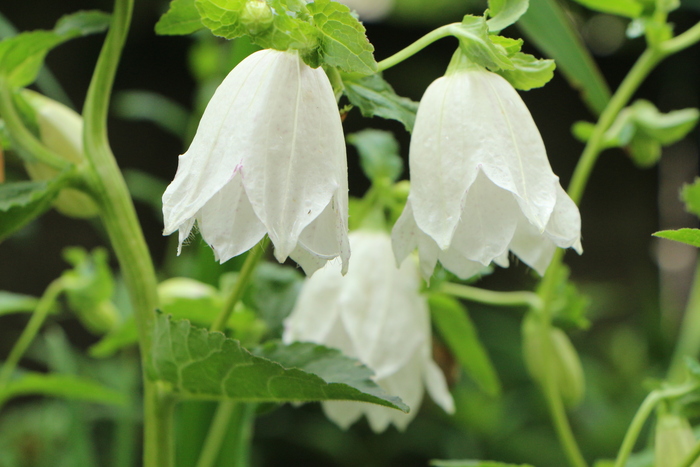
(481, 183)
(376, 314)
(268, 158)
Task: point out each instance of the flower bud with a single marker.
(559, 353)
(60, 130)
(257, 16)
(674, 440)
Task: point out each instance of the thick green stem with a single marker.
(119, 216)
(688, 344)
(47, 302)
(22, 136)
(691, 457)
(239, 287)
(490, 297)
(649, 404)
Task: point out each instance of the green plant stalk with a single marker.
(491, 297)
(649, 404)
(217, 433)
(106, 183)
(688, 343)
(691, 457)
(43, 308)
(244, 278)
(435, 35)
(22, 136)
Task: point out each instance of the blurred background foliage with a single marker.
(637, 285)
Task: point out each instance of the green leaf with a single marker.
(22, 56)
(457, 330)
(379, 154)
(666, 128)
(569, 307)
(374, 96)
(628, 8)
(181, 18)
(16, 303)
(21, 202)
(206, 365)
(89, 287)
(529, 72)
(119, 337)
(473, 35)
(548, 27)
(59, 385)
(343, 41)
(473, 463)
(290, 27)
(690, 194)
(273, 293)
(688, 236)
(503, 13)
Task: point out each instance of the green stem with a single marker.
(689, 339)
(119, 216)
(22, 136)
(649, 404)
(417, 46)
(490, 297)
(244, 278)
(692, 456)
(217, 433)
(47, 302)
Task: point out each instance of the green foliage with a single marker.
(569, 307)
(473, 463)
(687, 236)
(459, 333)
(473, 35)
(628, 8)
(22, 56)
(16, 303)
(206, 365)
(21, 202)
(548, 27)
(58, 385)
(273, 293)
(182, 17)
(89, 287)
(503, 13)
(343, 42)
(379, 154)
(374, 96)
(528, 72)
(690, 194)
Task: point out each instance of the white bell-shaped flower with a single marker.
(376, 314)
(481, 183)
(268, 158)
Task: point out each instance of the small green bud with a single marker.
(61, 130)
(674, 440)
(558, 352)
(257, 16)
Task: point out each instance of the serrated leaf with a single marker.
(503, 13)
(206, 365)
(181, 18)
(374, 96)
(343, 43)
(628, 8)
(690, 194)
(459, 333)
(473, 35)
(289, 29)
(688, 236)
(22, 56)
(16, 303)
(529, 72)
(379, 154)
(60, 385)
(473, 463)
(21, 202)
(548, 27)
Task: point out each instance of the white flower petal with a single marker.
(564, 227)
(215, 153)
(533, 248)
(295, 161)
(460, 266)
(343, 413)
(227, 222)
(404, 235)
(488, 222)
(437, 387)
